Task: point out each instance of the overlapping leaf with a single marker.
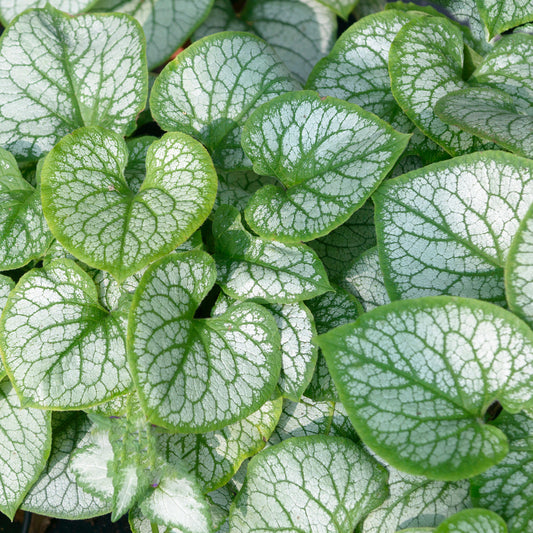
(197, 375)
(502, 15)
(58, 73)
(281, 491)
(473, 521)
(215, 115)
(25, 443)
(166, 23)
(252, 267)
(9, 9)
(329, 156)
(447, 228)
(417, 377)
(103, 220)
(507, 488)
(61, 348)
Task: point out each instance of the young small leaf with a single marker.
(281, 491)
(215, 116)
(106, 223)
(197, 375)
(58, 73)
(252, 267)
(62, 349)
(473, 521)
(329, 156)
(417, 377)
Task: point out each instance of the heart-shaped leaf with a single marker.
(215, 116)
(196, 375)
(447, 227)
(25, 443)
(281, 492)
(418, 376)
(102, 220)
(214, 457)
(24, 234)
(9, 9)
(61, 348)
(428, 52)
(58, 73)
(502, 15)
(489, 114)
(166, 23)
(56, 493)
(251, 267)
(519, 270)
(329, 156)
(507, 488)
(473, 520)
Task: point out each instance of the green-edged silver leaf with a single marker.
(416, 501)
(503, 15)
(418, 376)
(24, 234)
(447, 228)
(473, 521)
(330, 310)
(346, 243)
(25, 443)
(214, 457)
(489, 114)
(428, 53)
(166, 23)
(177, 502)
(9, 9)
(61, 349)
(303, 419)
(329, 156)
(252, 267)
(519, 270)
(215, 115)
(364, 279)
(509, 68)
(58, 73)
(319, 484)
(197, 375)
(6, 285)
(103, 220)
(507, 488)
(56, 493)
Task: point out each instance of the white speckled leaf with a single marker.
(24, 234)
(428, 52)
(282, 492)
(447, 228)
(102, 220)
(251, 267)
(364, 279)
(215, 456)
(330, 310)
(507, 488)
(303, 419)
(177, 502)
(166, 23)
(56, 493)
(416, 501)
(329, 155)
(62, 349)
(509, 68)
(519, 270)
(489, 114)
(9, 9)
(473, 521)
(339, 248)
(206, 69)
(418, 376)
(197, 375)
(58, 73)
(25, 443)
(502, 15)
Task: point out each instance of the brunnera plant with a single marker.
(280, 282)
